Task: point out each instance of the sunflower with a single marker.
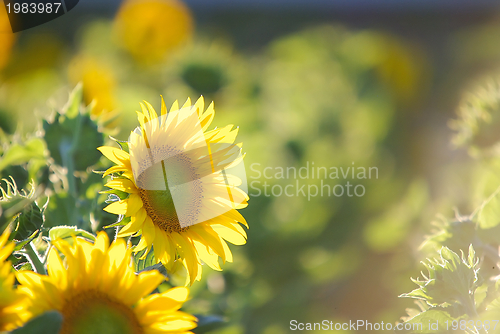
(182, 198)
(152, 29)
(97, 291)
(10, 300)
(7, 37)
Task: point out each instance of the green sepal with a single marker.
(143, 260)
(19, 210)
(27, 224)
(122, 143)
(159, 267)
(24, 266)
(120, 194)
(120, 222)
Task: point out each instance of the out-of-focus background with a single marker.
(334, 84)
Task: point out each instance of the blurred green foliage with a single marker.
(457, 289)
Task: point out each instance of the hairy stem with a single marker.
(34, 258)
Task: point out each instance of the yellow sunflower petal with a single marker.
(99, 275)
(208, 237)
(146, 282)
(136, 223)
(175, 106)
(163, 107)
(134, 204)
(228, 234)
(148, 231)
(118, 207)
(188, 253)
(200, 105)
(175, 325)
(116, 155)
(124, 185)
(187, 104)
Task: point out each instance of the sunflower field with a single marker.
(250, 168)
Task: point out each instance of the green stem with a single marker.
(35, 259)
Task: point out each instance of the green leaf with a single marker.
(472, 257)
(492, 311)
(71, 109)
(451, 280)
(47, 323)
(59, 209)
(77, 137)
(489, 214)
(67, 232)
(86, 153)
(148, 261)
(431, 321)
(18, 154)
(72, 137)
(208, 323)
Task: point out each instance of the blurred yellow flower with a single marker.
(97, 291)
(10, 300)
(98, 83)
(7, 38)
(178, 200)
(404, 69)
(150, 29)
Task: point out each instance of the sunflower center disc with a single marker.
(160, 208)
(155, 191)
(92, 312)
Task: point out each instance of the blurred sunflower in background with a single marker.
(98, 80)
(180, 198)
(7, 38)
(97, 291)
(11, 315)
(150, 29)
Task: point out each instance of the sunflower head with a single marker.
(7, 37)
(99, 84)
(151, 29)
(185, 184)
(96, 290)
(11, 314)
